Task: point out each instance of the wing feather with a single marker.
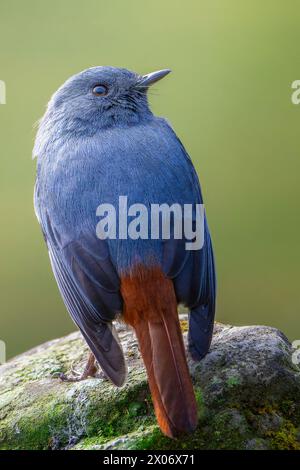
(88, 301)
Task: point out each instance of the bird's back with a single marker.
(146, 164)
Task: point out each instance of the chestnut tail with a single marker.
(151, 309)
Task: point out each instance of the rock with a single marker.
(256, 444)
(247, 389)
(269, 422)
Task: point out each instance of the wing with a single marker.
(195, 286)
(194, 279)
(89, 286)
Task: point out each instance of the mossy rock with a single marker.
(247, 389)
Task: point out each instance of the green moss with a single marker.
(285, 438)
(220, 438)
(213, 432)
(233, 381)
(75, 411)
(128, 413)
(31, 429)
(228, 430)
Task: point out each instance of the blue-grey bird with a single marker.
(99, 140)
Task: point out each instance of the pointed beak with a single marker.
(150, 78)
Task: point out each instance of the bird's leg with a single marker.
(90, 370)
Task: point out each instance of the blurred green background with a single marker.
(229, 99)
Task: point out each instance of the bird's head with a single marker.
(100, 97)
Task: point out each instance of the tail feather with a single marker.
(151, 308)
(201, 325)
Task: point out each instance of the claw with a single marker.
(90, 370)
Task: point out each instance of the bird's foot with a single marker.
(90, 370)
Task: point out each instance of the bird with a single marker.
(99, 140)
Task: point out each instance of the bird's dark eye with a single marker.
(100, 90)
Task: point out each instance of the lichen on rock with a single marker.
(247, 389)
